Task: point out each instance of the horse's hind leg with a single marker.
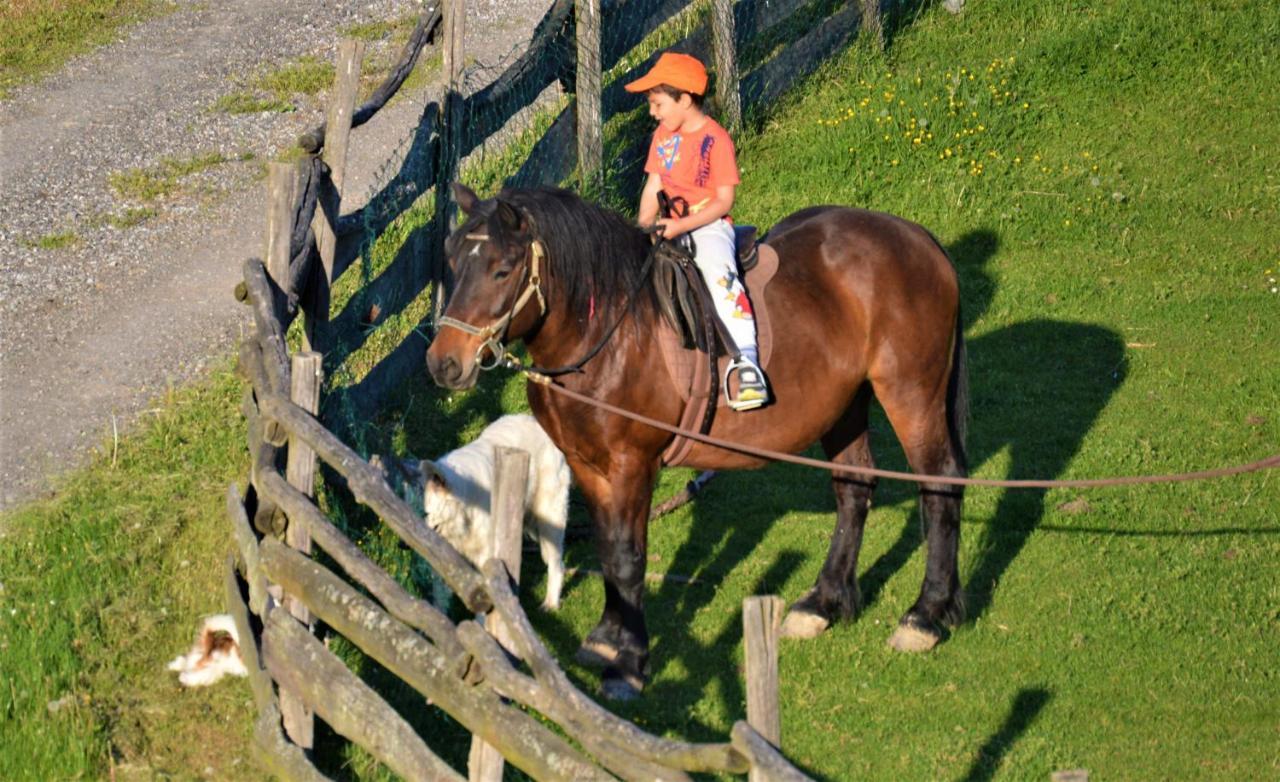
(931, 450)
(835, 595)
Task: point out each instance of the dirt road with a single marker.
(91, 332)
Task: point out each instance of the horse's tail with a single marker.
(958, 395)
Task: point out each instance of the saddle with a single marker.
(683, 297)
(693, 347)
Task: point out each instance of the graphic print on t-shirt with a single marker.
(669, 151)
(704, 161)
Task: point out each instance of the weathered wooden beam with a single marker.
(415, 612)
(369, 489)
(761, 617)
(300, 470)
(263, 292)
(765, 759)
(587, 95)
(264, 454)
(259, 682)
(282, 193)
(872, 25)
(337, 135)
(725, 48)
(611, 750)
(284, 759)
(247, 545)
(523, 741)
(428, 23)
(666, 752)
(506, 508)
(453, 132)
(300, 663)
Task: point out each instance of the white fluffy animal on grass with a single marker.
(460, 483)
(215, 654)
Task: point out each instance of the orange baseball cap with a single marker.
(682, 71)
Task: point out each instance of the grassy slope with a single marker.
(36, 36)
(103, 585)
(1134, 635)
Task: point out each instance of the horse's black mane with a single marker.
(594, 255)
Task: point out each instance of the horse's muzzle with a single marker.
(448, 372)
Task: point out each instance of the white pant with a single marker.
(717, 260)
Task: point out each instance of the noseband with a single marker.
(491, 336)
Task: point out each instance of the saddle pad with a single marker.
(690, 370)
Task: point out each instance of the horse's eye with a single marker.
(502, 274)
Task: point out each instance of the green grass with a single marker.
(277, 88)
(1129, 631)
(55, 240)
(165, 179)
(104, 584)
(246, 102)
(36, 36)
(131, 217)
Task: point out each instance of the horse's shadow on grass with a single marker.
(1025, 708)
(1036, 389)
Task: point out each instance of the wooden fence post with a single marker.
(761, 617)
(337, 135)
(282, 187)
(590, 132)
(871, 23)
(506, 507)
(453, 47)
(450, 147)
(300, 471)
(728, 98)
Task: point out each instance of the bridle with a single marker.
(492, 335)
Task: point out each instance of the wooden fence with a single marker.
(275, 590)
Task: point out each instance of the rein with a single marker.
(512, 361)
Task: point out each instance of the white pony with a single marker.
(457, 488)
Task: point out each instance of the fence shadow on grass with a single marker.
(1026, 707)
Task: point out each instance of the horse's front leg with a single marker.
(619, 506)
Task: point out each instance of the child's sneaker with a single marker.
(752, 391)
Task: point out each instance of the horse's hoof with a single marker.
(596, 654)
(621, 687)
(909, 638)
(803, 624)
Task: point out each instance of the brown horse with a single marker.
(863, 304)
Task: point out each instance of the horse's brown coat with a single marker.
(870, 304)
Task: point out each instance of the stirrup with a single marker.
(753, 392)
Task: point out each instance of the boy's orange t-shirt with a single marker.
(693, 165)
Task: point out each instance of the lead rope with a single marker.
(1268, 463)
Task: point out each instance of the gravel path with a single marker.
(90, 333)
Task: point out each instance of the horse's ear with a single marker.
(465, 197)
(510, 216)
(430, 474)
